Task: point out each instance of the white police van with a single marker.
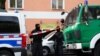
(12, 34)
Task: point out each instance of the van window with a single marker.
(72, 16)
(93, 13)
(9, 24)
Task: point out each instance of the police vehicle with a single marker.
(12, 34)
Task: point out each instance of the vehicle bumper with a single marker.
(74, 46)
(17, 53)
(20, 51)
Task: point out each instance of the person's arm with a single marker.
(30, 35)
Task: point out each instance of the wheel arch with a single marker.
(47, 48)
(95, 40)
(98, 41)
(7, 49)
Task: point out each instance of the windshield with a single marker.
(93, 12)
(72, 16)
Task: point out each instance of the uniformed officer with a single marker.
(37, 42)
(58, 42)
(62, 23)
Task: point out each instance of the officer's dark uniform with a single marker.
(58, 43)
(37, 42)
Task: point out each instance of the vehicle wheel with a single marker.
(97, 50)
(46, 51)
(5, 53)
(78, 53)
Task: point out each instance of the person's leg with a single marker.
(37, 50)
(40, 50)
(34, 49)
(56, 51)
(60, 51)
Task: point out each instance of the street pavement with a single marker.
(67, 55)
(30, 54)
(74, 55)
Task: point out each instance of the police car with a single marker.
(12, 34)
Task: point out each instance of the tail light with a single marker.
(23, 40)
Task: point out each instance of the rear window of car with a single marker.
(9, 24)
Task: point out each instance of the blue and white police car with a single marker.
(12, 34)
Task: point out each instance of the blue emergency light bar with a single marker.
(86, 2)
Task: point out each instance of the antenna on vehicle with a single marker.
(86, 2)
(86, 5)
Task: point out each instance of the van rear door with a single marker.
(10, 31)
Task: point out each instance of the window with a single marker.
(2, 4)
(72, 17)
(57, 4)
(9, 24)
(18, 4)
(93, 13)
(52, 38)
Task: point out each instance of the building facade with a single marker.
(45, 12)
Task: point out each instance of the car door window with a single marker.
(9, 24)
(52, 38)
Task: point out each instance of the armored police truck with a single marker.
(82, 29)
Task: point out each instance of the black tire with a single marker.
(46, 51)
(96, 51)
(5, 53)
(77, 52)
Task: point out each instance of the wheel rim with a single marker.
(45, 52)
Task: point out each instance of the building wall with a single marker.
(70, 4)
(45, 5)
(30, 23)
(40, 5)
(37, 10)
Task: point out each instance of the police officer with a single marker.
(58, 42)
(62, 23)
(37, 42)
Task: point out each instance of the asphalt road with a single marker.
(68, 55)
(30, 54)
(54, 55)
(65, 55)
(75, 55)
